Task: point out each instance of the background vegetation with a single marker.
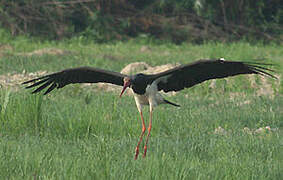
(170, 20)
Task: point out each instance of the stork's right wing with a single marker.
(75, 75)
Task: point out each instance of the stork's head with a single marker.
(127, 83)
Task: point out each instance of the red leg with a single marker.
(141, 136)
(147, 137)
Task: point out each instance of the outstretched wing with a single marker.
(186, 76)
(75, 75)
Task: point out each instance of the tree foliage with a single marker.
(174, 20)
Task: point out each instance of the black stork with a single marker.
(146, 87)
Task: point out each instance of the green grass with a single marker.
(78, 133)
(66, 138)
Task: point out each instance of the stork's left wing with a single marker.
(186, 76)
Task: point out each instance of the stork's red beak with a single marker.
(127, 83)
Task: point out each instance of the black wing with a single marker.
(75, 75)
(186, 76)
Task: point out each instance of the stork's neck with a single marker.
(139, 88)
(139, 83)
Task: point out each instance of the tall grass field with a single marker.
(232, 130)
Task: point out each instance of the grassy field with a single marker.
(81, 133)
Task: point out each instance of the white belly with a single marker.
(152, 97)
(142, 99)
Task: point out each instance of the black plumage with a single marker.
(175, 79)
(186, 76)
(75, 75)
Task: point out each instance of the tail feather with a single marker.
(168, 102)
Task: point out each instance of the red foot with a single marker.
(137, 153)
(145, 150)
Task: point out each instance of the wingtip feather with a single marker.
(53, 86)
(260, 70)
